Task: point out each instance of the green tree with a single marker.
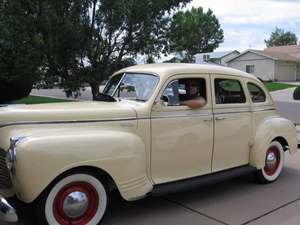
(85, 41)
(281, 38)
(20, 58)
(195, 31)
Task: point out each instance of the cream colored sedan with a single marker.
(155, 129)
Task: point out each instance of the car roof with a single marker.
(167, 69)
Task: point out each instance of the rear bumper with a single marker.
(7, 212)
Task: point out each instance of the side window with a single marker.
(228, 91)
(183, 90)
(256, 93)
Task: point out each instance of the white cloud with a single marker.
(248, 22)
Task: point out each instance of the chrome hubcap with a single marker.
(271, 160)
(75, 204)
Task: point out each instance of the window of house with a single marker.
(250, 68)
(256, 93)
(184, 89)
(206, 58)
(229, 91)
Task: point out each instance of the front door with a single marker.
(182, 138)
(232, 118)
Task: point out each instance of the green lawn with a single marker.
(277, 86)
(39, 100)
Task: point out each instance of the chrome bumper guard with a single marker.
(7, 212)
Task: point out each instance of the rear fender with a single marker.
(266, 132)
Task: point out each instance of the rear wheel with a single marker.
(274, 162)
(77, 199)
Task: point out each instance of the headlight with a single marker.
(11, 157)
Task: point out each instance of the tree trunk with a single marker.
(95, 89)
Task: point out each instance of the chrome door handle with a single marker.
(220, 118)
(207, 120)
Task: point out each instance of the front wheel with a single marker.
(274, 162)
(77, 199)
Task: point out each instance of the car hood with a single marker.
(64, 112)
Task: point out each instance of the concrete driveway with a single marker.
(237, 202)
(286, 105)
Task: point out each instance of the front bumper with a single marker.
(7, 212)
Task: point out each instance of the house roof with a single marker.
(283, 53)
(216, 55)
(285, 49)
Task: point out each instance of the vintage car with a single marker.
(141, 139)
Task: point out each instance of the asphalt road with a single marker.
(236, 202)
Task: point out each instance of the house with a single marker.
(275, 63)
(220, 58)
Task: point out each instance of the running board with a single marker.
(201, 181)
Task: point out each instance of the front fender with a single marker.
(266, 132)
(40, 159)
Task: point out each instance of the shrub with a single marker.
(14, 90)
(297, 93)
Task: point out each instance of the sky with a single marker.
(246, 23)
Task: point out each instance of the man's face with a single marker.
(193, 88)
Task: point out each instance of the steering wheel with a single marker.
(104, 98)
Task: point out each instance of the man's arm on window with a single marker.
(195, 103)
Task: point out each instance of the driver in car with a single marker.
(192, 98)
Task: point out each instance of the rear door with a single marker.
(232, 119)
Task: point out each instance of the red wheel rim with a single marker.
(93, 204)
(271, 166)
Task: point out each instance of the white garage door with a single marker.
(286, 72)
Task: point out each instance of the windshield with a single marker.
(132, 86)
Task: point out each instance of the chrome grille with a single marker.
(5, 181)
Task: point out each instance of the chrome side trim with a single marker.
(238, 112)
(64, 121)
(180, 116)
(260, 110)
(7, 212)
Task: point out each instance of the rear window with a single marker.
(229, 91)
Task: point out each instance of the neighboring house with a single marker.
(220, 58)
(276, 63)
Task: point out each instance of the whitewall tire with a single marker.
(77, 199)
(274, 162)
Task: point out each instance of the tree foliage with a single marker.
(77, 42)
(281, 38)
(87, 40)
(195, 31)
(20, 58)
